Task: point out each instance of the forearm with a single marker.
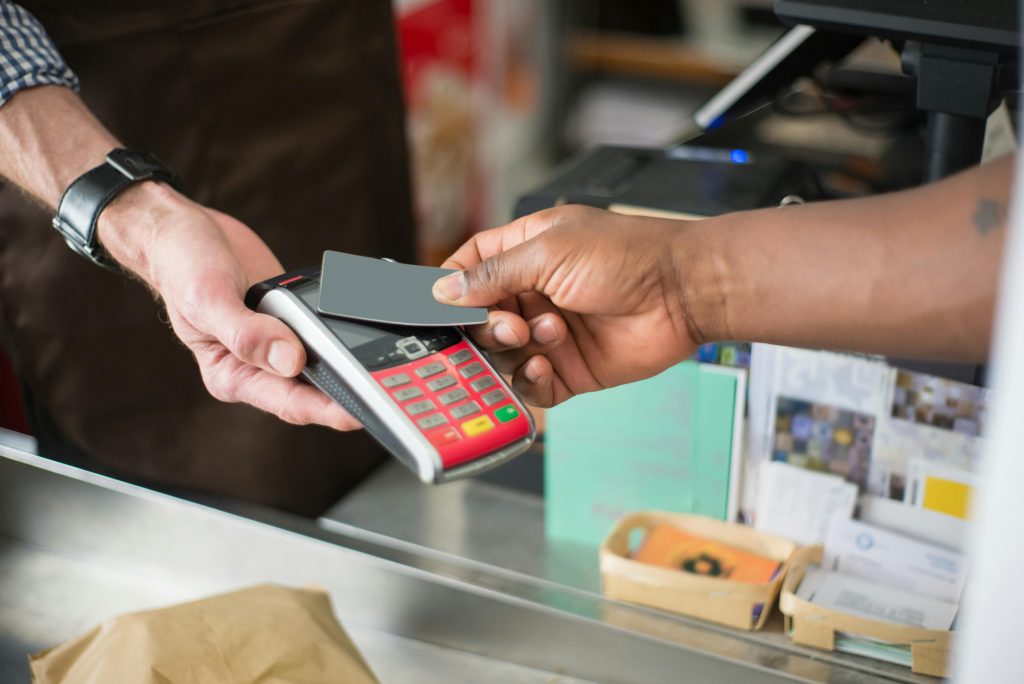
(913, 273)
(48, 137)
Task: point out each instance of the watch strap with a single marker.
(80, 206)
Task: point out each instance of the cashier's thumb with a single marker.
(264, 341)
(492, 280)
(254, 338)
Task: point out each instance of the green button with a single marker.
(506, 413)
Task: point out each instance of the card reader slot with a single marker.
(330, 384)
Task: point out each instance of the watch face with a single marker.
(136, 164)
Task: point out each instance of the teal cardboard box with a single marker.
(669, 443)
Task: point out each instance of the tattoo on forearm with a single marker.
(988, 215)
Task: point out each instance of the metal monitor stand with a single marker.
(958, 88)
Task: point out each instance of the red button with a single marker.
(443, 436)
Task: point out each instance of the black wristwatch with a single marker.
(81, 204)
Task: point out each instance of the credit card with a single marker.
(381, 291)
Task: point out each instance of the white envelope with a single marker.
(875, 601)
(880, 556)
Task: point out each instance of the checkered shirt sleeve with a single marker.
(27, 55)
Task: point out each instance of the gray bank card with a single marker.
(381, 291)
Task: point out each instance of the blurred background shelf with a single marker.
(646, 57)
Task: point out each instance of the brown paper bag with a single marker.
(267, 634)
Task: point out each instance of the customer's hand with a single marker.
(586, 299)
(201, 262)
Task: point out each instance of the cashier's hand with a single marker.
(584, 299)
(201, 262)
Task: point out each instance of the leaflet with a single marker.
(798, 503)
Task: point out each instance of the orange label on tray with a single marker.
(670, 547)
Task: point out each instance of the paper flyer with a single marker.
(858, 418)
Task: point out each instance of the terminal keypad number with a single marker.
(452, 397)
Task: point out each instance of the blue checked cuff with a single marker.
(27, 55)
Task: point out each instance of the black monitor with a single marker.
(985, 24)
(963, 55)
(828, 30)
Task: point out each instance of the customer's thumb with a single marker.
(501, 276)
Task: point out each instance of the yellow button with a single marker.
(477, 425)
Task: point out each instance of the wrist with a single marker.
(705, 279)
(133, 221)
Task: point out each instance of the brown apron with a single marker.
(286, 114)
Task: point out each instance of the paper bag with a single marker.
(267, 634)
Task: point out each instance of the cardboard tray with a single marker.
(815, 626)
(709, 598)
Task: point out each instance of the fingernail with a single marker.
(283, 357)
(504, 335)
(451, 288)
(531, 373)
(543, 331)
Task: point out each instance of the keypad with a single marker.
(457, 394)
(430, 369)
(444, 408)
(432, 421)
(460, 356)
(407, 393)
(441, 383)
(480, 384)
(418, 407)
(494, 396)
(472, 369)
(396, 380)
(467, 409)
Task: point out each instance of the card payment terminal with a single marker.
(426, 394)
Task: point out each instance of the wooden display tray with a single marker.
(816, 626)
(709, 598)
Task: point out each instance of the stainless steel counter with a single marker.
(48, 597)
(76, 548)
(479, 522)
